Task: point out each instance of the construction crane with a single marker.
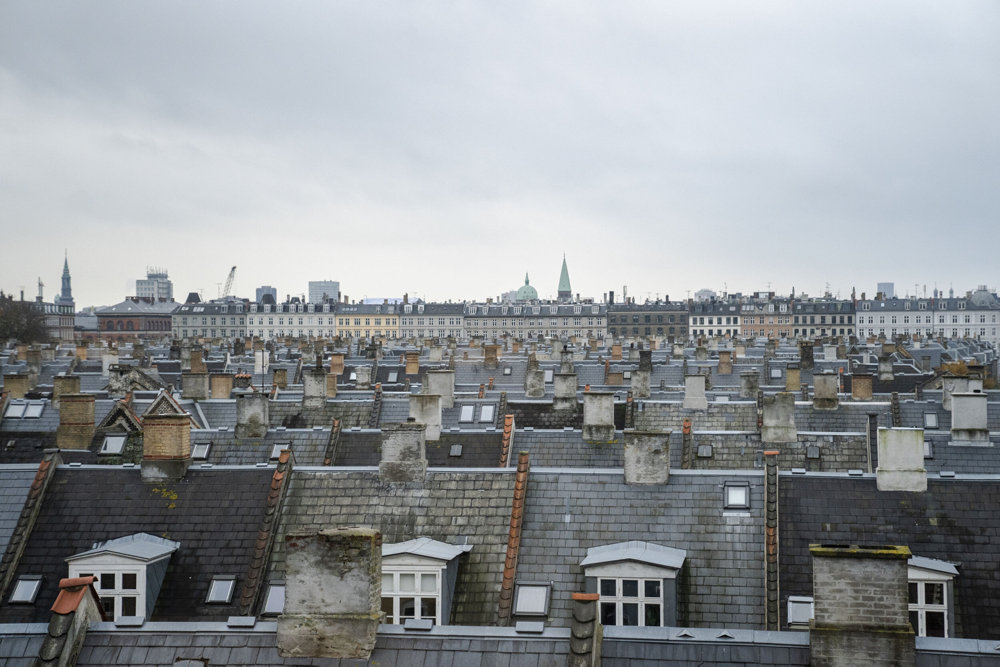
(229, 282)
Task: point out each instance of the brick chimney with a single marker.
(332, 594)
(404, 453)
(221, 385)
(252, 415)
(491, 356)
(337, 363)
(725, 362)
(861, 387)
(806, 355)
(793, 377)
(425, 410)
(16, 385)
(647, 457)
(166, 447)
(441, 383)
(598, 417)
(76, 421)
(861, 607)
(62, 385)
(412, 363)
(779, 419)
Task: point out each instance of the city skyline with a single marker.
(401, 148)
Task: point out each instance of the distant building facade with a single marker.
(156, 286)
(652, 318)
(432, 320)
(366, 320)
(549, 320)
(266, 289)
(210, 319)
(135, 317)
(976, 315)
(294, 319)
(323, 290)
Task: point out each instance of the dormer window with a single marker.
(129, 572)
(113, 444)
(636, 581)
(931, 587)
(418, 577)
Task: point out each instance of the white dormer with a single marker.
(418, 580)
(129, 572)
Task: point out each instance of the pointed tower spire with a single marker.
(565, 291)
(66, 294)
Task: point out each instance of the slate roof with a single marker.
(14, 484)
(569, 511)
(565, 448)
(954, 520)
(308, 446)
(214, 514)
(447, 506)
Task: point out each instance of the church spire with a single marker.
(66, 295)
(565, 291)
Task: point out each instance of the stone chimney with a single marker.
(491, 356)
(332, 594)
(694, 393)
(16, 385)
(749, 384)
(166, 447)
(564, 388)
(642, 376)
(314, 388)
(968, 419)
(185, 357)
(793, 377)
(252, 415)
(64, 384)
(412, 363)
(806, 355)
(566, 360)
(599, 417)
(885, 373)
(827, 385)
(425, 410)
(739, 350)
(76, 421)
(195, 385)
(647, 457)
(861, 386)
(779, 419)
(435, 355)
(279, 378)
(725, 362)
(701, 353)
(861, 599)
(442, 383)
(534, 383)
(404, 453)
(901, 460)
(221, 385)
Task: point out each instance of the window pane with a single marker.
(630, 588)
(129, 581)
(608, 613)
(407, 607)
(652, 615)
(630, 613)
(913, 596)
(109, 606)
(108, 581)
(935, 623)
(408, 583)
(652, 588)
(387, 610)
(915, 621)
(128, 606)
(608, 587)
(933, 593)
(387, 583)
(428, 607)
(428, 583)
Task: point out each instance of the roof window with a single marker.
(736, 495)
(26, 590)
(274, 602)
(199, 450)
(34, 410)
(113, 444)
(220, 591)
(468, 412)
(277, 448)
(531, 598)
(487, 412)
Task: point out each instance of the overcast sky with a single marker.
(446, 148)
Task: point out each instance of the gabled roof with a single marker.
(141, 546)
(643, 552)
(426, 547)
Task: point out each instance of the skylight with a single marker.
(15, 410)
(393, 376)
(34, 410)
(25, 590)
(467, 413)
(274, 603)
(113, 444)
(486, 414)
(276, 450)
(199, 451)
(220, 591)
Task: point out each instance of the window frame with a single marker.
(417, 595)
(619, 599)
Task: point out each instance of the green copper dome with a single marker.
(527, 292)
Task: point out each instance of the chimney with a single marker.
(337, 364)
(806, 355)
(279, 378)
(598, 417)
(81, 351)
(166, 447)
(185, 357)
(195, 385)
(364, 377)
(779, 419)
(252, 415)
(491, 356)
(566, 360)
(64, 384)
(586, 632)
(221, 385)
(564, 388)
(739, 350)
(76, 421)
(412, 363)
(16, 385)
(534, 383)
(861, 387)
(725, 362)
(425, 410)
(885, 373)
(76, 607)
(314, 388)
(694, 393)
(968, 419)
(901, 460)
(616, 352)
(332, 594)
(647, 457)
(198, 360)
(861, 599)
(435, 355)
(826, 384)
(749, 384)
(793, 377)
(404, 453)
(261, 359)
(442, 383)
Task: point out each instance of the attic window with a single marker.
(199, 451)
(26, 590)
(531, 598)
(220, 591)
(354, 376)
(467, 413)
(775, 373)
(486, 414)
(548, 375)
(507, 370)
(276, 449)
(113, 444)
(274, 603)
(737, 495)
(930, 420)
(627, 375)
(15, 410)
(34, 410)
(393, 376)
(800, 612)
